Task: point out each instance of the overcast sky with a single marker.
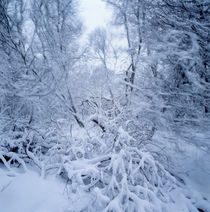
(94, 14)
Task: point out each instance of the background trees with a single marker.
(187, 31)
(35, 70)
(168, 61)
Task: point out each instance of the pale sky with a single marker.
(94, 14)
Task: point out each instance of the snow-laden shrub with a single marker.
(114, 176)
(126, 180)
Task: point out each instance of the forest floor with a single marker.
(28, 192)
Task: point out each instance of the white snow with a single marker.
(28, 192)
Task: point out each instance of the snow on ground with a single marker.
(28, 192)
(192, 165)
(194, 168)
(199, 173)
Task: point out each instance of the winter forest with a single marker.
(116, 119)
